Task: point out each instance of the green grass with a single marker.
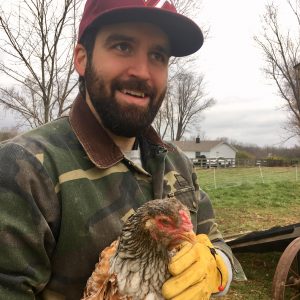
(253, 205)
(256, 206)
(259, 268)
(219, 178)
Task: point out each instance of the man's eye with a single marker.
(123, 47)
(159, 57)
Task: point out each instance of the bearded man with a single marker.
(67, 186)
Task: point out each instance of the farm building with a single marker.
(210, 150)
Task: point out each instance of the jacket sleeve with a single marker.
(28, 210)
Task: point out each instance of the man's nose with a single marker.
(140, 67)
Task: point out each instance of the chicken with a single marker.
(136, 265)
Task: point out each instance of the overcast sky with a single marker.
(247, 108)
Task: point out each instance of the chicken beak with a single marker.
(182, 238)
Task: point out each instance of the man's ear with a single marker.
(80, 59)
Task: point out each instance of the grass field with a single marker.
(220, 178)
(253, 205)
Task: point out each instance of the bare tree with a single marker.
(185, 101)
(281, 54)
(37, 41)
(191, 9)
(188, 101)
(183, 104)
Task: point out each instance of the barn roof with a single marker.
(203, 146)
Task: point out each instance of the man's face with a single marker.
(126, 77)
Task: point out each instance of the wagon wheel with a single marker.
(286, 281)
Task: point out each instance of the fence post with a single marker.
(215, 181)
(261, 174)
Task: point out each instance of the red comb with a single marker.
(186, 220)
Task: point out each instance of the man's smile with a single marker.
(132, 97)
(134, 93)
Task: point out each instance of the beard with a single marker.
(122, 120)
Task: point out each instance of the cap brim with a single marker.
(185, 36)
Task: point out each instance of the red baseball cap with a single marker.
(185, 35)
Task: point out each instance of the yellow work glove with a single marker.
(197, 272)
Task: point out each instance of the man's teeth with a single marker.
(134, 93)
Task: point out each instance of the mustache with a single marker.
(134, 84)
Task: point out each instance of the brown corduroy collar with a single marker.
(98, 145)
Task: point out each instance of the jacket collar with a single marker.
(98, 145)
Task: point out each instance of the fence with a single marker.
(214, 178)
(230, 162)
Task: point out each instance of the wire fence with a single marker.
(214, 178)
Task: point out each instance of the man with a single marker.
(67, 186)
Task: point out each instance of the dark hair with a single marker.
(88, 42)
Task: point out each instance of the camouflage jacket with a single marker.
(65, 188)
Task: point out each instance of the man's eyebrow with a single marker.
(118, 37)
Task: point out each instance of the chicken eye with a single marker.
(165, 222)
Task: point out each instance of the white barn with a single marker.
(211, 150)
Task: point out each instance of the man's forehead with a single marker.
(135, 31)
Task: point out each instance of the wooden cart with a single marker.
(286, 281)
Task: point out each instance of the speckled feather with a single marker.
(136, 266)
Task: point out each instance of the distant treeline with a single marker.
(270, 153)
(8, 133)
